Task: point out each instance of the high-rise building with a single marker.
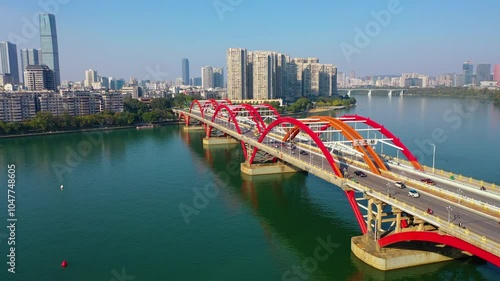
(468, 69)
(90, 78)
(48, 42)
(218, 77)
(185, 71)
(196, 81)
(29, 57)
(207, 77)
(262, 76)
(483, 73)
(8, 61)
(496, 74)
(237, 73)
(39, 77)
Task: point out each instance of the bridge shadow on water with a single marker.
(298, 209)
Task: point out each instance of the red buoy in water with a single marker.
(64, 263)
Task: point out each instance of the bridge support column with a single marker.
(398, 219)
(219, 141)
(268, 168)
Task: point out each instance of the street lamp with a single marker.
(433, 156)
(460, 194)
(449, 209)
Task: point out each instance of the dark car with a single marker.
(303, 152)
(360, 174)
(428, 181)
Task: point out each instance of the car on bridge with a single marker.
(428, 181)
(400, 184)
(303, 152)
(413, 193)
(360, 174)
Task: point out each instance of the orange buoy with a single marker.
(64, 263)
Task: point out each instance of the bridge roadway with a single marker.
(482, 230)
(459, 189)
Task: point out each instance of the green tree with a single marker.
(160, 103)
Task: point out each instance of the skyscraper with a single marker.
(218, 77)
(468, 69)
(236, 73)
(483, 73)
(8, 61)
(207, 77)
(496, 74)
(185, 71)
(90, 78)
(29, 57)
(48, 41)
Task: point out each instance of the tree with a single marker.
(134, 106)
(43, 121)
(160, 103)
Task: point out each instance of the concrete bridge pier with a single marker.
(268, 168)
(193, 128)
(390, 93)
(219, 141)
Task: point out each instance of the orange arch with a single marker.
(356, 135)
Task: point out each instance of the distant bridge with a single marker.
(390, 92)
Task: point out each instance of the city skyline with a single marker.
(391, 30)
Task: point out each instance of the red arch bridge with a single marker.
(464, 218)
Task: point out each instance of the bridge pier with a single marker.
(405, 255)
(268, 168)
(219, 141)
(193, 128)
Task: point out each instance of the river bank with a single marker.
(166, 123)
(326, 108)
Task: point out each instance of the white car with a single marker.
(400, 184)
(413, 193)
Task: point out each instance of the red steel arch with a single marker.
(261, 126)
(196, 102)
(273, 109)
(230, 117)
(308, 131)
(441, 239)
(390, 135)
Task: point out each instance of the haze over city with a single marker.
(124, 39)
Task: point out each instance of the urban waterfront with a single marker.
(119, 213)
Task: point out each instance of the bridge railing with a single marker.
(451, 176)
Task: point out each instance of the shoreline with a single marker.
(326, 108)
(83, 130)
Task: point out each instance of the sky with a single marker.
(147, 39)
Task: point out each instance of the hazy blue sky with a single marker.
(138, 38)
